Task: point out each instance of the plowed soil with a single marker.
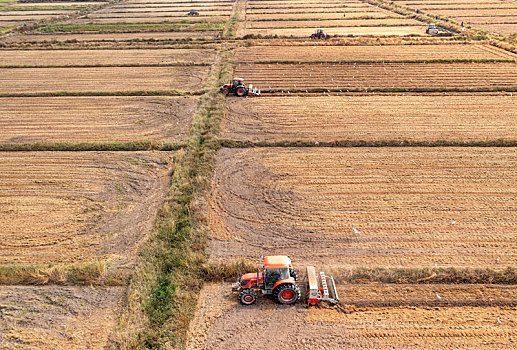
(109, 37)
(409, 206)
(95, 119)
(390, 22)
(53, 317)
(336, 31)
(72, 206)
(104, 79)
(387, 75)
(371, 53)
(104, 57)
(371, 118)
(222, 323)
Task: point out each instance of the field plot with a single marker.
(44, 58)
(75, 206)
(300, 18)
(95, 119)
(379, 75)
(497, 16)
(40, 80)
(412, 206)
(222, 323)
(110, 37)
(372, 53)
(58, 317)
(371, 117)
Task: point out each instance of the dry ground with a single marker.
(54, 317)
(412, 206)
(105, 79)
(417, 117)
(222, 323)
(372, 53)
(95, 119)
(110, 37)
(75, 206)
(105, 57)
(379, 75)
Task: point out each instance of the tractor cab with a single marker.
(237, 87)
(277, 269)
(431, 29)
(319, 34)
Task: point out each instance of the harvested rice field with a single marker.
(427, 53)
(335, 76)
(110, 37)
(497, 16)
(42, 58)
(95, 119)
(221, 323)
(74, 206)
(337, 31)
(400, 117)
(410, 206)
(105, 79)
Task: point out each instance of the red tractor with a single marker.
(320, 34)
(279, 279)
(237, 87)
(193, 13)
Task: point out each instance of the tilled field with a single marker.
(95, 119)
(105, 79)
(222, 323)
(419, 117)
(338, 31)
(74, 206)
(372, 53)
(334, 76)
(104, 57)
(53, 317)
(411, 206)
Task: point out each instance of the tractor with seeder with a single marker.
(193, 13)
(279, 279)
(237, 87)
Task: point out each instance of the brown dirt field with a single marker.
(110, 36)
(374, 118)
(29, 14)
(378, 75)
(509, 20)
(104, 57)
(374, 53)
(190, 20)
(413, 206)
(498, 28)
(318, 15)
(54, 3)
(306, 32)
(328, 24)
(177, 15)
(95, 119)
(58, 317)
(75, 206)
(222, 323)
(479, 13)
(39, 80)
(302, 11)
(456, 4)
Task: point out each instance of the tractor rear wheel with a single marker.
(240, 91)
(287, 294)
(248, 297)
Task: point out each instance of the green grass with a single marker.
(126, 27)
(4, 29)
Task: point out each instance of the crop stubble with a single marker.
(95, 119)
(413, 206)
(434, 117)
(74, 206)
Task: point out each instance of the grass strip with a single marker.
(126, 27)
(230, 271)
(105, 93)
(163, 293)
(367, 143)
(83, 273)
(91, 146)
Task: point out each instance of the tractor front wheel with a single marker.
(240, 91)
(248, 297)
(287, 294)
(226, 92)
